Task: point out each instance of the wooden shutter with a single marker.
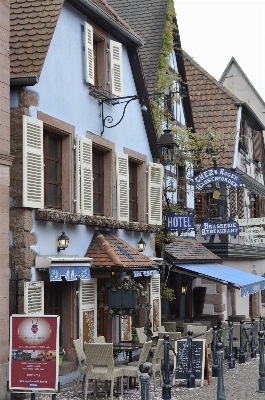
(33, 168)
(84, 176)
(125, 323)
(155, 302)
(257, 146)
(89, 53)
(88, 309)
(241, 208)
(34, 298)
(122, 174)
(116, 68)
(199, 206)
(155, 193)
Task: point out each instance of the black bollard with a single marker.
(191, 377)
(261, 324)
(231, 361)
(261, 363)
(242, 357)
(166, 388)
(253, 341)
(144, 378)
(220, 377)
(214, 366)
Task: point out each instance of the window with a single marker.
(52, 170)
(98, 181)
(47, 151)
(181, 174)
(132, 191)
(101, 69)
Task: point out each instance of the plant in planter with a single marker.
(61, 355)
(134, 334)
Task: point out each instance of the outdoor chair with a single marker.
(81, 357)
(161, 329)
(170, 326)
(172, 336)
(185, 324)
(197, 329)
(155, 365)
(141, 335)
(99, 339)
(100, 366)
(132, 369)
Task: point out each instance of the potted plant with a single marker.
(61, 355)
(134, 334)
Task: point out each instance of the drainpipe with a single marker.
(236, 141)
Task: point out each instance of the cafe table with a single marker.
(127, 347)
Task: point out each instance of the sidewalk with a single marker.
(240, 383)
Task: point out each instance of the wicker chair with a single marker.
(100, 366)
(141, 335)
(197, 329)
(99, 339)
(81, 357)
(155, 365)
(172, 336)
(132, 369)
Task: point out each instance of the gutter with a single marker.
(87, 6)
(24, 81)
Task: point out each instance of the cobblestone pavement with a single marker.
(240, 383)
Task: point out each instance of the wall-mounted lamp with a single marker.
(141, 245)
(214, 160)
(62, 242)
(184, 287)
(167, 147)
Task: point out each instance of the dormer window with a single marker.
(103, 62)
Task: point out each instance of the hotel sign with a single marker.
(227, 228)
(179, 221)
(224, 175)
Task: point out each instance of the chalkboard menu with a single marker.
(198, 360)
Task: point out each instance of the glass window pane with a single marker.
(52, 195)
(52, 171)
(96, 162)
(97, 203)
(96, 183)
(52, 147)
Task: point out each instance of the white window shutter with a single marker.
(88, 308)
(84, 176)
(122, 174)
(155, 302)
(33, 168)
(89, 53)
(116, 68)
(155, 193)
(34, 298)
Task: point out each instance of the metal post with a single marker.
(220, 377)
(214, 366)
(144, 378)
(261, 324)
(261, 363)
(231, 361)
(253, 342)
(242, 358)
(166, 388)
(191, 377)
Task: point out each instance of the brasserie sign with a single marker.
(223, 175)
(227, 228)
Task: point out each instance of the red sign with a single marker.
(34, 352)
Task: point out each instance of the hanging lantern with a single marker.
(167, 147)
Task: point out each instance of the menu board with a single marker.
(34, 352)
(198, 360)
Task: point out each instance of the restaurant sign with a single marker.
(34, 352)
(227, 228)
(223, 175)
(179, 221)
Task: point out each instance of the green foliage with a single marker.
(166, 292)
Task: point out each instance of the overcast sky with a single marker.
(213, 31)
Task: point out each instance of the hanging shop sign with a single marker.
(251, 221)
(227, 228)
(34, 352)
(179, 221)
(223, 175)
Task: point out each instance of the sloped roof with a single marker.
(212, 106)
(32, 26)
(147, 17)
(189, 250)
(233, 61)
(108, 250)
